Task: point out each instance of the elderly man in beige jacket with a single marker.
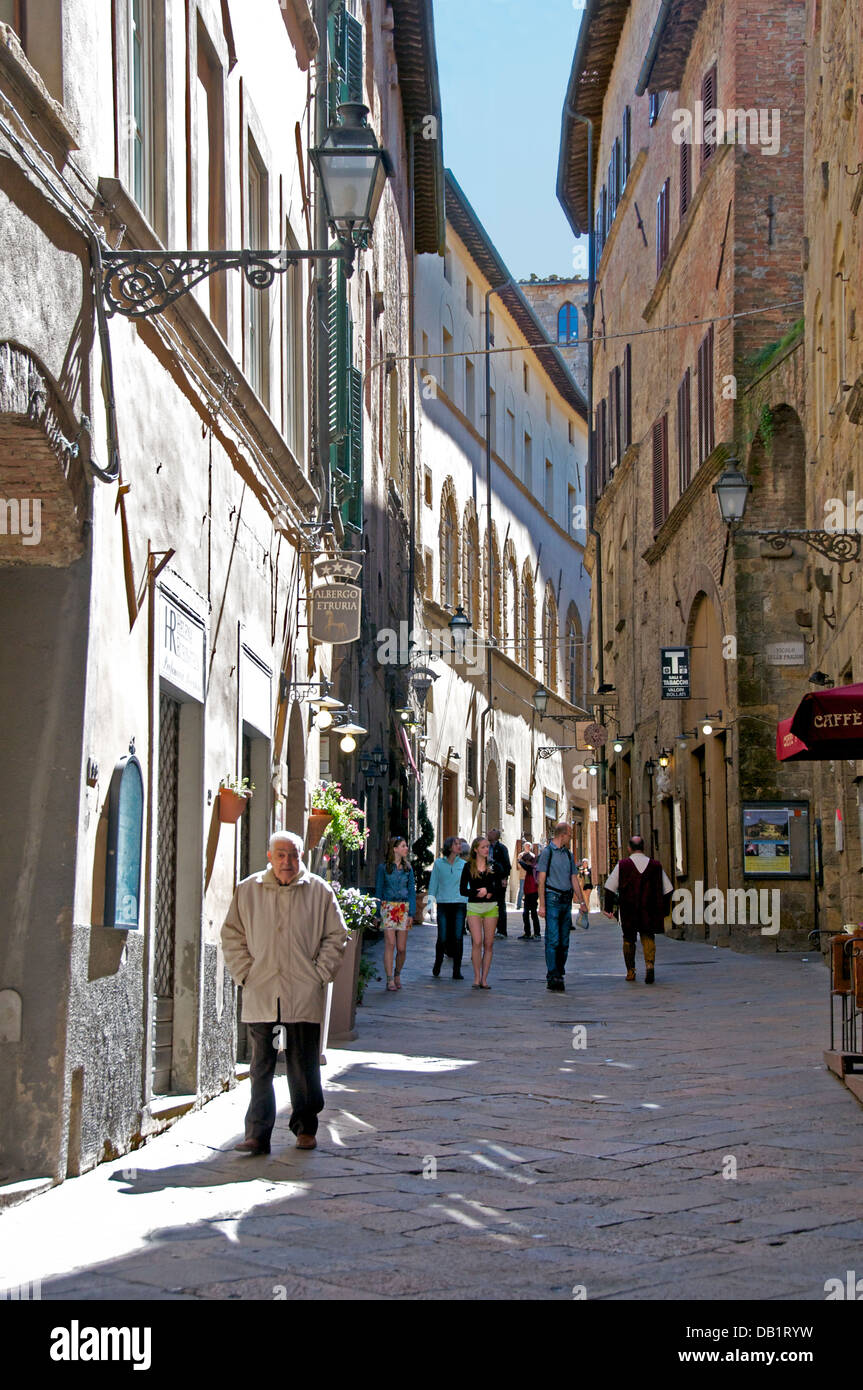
(284, 939)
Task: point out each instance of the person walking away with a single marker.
(531, 895)
(500, 856)
(284, 940)
(558, 885)
(480, 884)
(445, 888)
(643, 891)
(395, 890)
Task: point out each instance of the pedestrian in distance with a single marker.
(527, 861)
(480, 884)
(283, 940)
(643, 891)
(499, 855)
(559, 885)
(395, 890)
(445, 888)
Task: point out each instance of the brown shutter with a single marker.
(684, 433)
(658, 509)
(708, 98)
(627, 396)
(612, 433)
(684, 178)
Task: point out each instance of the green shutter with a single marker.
(339, 359)
(352, 512)
(353, 59)
(345, 35)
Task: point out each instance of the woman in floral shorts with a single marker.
(395, 890)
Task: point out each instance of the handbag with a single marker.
(582, 920)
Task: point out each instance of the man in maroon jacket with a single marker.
(643, 891)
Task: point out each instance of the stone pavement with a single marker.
(695, 1147)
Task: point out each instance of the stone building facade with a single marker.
(833, 275)
(163, 492)
(697, 356)
(482, 760)
(560, 306)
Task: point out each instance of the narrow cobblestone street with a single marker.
(472, 1148)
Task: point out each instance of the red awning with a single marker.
(789, 748)
(410, 756)
(827, 724)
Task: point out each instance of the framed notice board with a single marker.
(776, 839)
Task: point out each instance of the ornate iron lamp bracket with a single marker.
(840, 546)
(140, 284)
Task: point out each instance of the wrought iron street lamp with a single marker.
(732, 493)
(459, 625)
(352, 168)
(540, 700)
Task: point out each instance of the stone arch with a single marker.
(492, 808)
(778, 473)
(704, 633)
(493, 621)
(42, 481)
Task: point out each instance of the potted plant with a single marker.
(359, 910)
(422, 859)
(234, 796)
(335, 817)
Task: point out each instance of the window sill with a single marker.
(14, 65)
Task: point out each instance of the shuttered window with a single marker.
(626, 404)
(660, 472)
(684, 432)
(615, 450)
(705, 396)
(662, 226)
(685, 177)
(626, 147)
(708, 100)
(346, 60)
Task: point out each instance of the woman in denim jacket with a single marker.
(395, 890)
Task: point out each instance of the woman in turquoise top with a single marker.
(395, 890)
(444, 887)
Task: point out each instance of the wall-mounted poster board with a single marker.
(776, 839)
(125, 836)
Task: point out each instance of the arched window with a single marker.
(448, 549)
(472, 579)
(574, 657)
(567, 323)
(511, 606)
(527, 622)
(549, 640)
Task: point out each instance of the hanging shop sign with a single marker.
(334, 613)
(776, 841)
(675, 673)
(125, 835)
(180, 643)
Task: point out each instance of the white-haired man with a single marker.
(284, 939)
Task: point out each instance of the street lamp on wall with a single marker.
(732, 491)
(459, 625)
(352, 169)
(540, 700)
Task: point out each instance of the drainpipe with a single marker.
(653, 48)
(412, 431)
(484, 717)
(591, 498)
(323, 271)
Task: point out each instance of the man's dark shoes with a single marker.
(525, 936)
(252, 1146)
(457, 975)
(556, 985)
(648, 975)
(306, 1141)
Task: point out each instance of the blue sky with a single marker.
(504, 66)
